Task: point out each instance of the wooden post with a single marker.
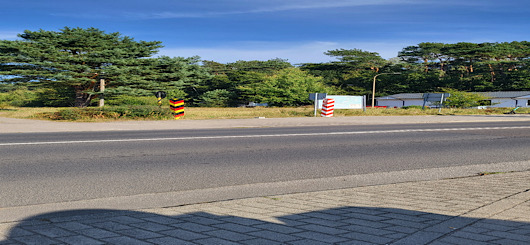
(102, 90)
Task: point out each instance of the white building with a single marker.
(498, 99)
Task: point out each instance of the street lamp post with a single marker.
(373, 87)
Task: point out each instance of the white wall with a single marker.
(390, 103)
(494, 102)
(502, 103)
(523, 103)
(401, 103)
(414, 102)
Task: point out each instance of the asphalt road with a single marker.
(39, 168)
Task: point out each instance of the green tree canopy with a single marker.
(75, 58)
(288, 87)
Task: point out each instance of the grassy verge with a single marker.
(112, 113)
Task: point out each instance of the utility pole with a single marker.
(102, 90)
(373, 87)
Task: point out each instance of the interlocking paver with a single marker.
(324, 222)
(152, 226)
(309, 242)
(50, 231)
(168, 240)
(79, 240)
(278, 228)
(490, 209)
(124, 240)
(126, 220)
(162, 220)
(320, 237)
(508, 235)
(140, 234)
(73, 226)
(98, 233)
(368, 230)
(35, 240)
(367, 238)
(235, 227)
(474, 236)
(111, 226)
(322, 229)
(273, 236)
(260, 241)
(17, 231)
(216, 241)
(229, 235)
(193, 227)
(458, 240)
(184, 235)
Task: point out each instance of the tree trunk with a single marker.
(492, 72)
(81, 99)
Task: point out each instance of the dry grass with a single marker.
(26, 112)
(194, 113)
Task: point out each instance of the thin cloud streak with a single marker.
(312, 52)
(276, 7)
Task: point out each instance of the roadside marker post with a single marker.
(177, 106)
(160, 95)
(327, 107)
(316, 97)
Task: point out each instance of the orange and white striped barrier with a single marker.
(327, 108)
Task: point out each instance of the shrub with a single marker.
(216, 98)
(111, 112)
(460, 99)
(18, 97)
(128, 100)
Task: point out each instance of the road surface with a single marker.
(42, 168)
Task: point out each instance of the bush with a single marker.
(54, 97)
(460, 99)
(18, 97)
(111, 112)
(216, 98)
(128, 100)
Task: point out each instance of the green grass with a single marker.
(138, 112)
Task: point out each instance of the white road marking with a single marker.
(263, 136)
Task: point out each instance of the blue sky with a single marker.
(297, 30)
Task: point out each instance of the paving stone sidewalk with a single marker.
(489, 209)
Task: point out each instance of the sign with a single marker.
(160, 94)
(319, 96)
(432, 97)
(347, 101)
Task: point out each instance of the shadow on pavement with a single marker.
(344, 225)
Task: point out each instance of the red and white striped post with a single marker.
(327, 107)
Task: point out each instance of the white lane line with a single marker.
(263, 135)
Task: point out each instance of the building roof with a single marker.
(505, 94)
(402, 96)
(493, 95)
(524, 97)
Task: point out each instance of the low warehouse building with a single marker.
(498, 99)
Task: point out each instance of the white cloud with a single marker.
(312, 52)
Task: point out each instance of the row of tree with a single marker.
(66, 66)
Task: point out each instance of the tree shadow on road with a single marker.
(344, 225)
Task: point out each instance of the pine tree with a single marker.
(75, 58)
